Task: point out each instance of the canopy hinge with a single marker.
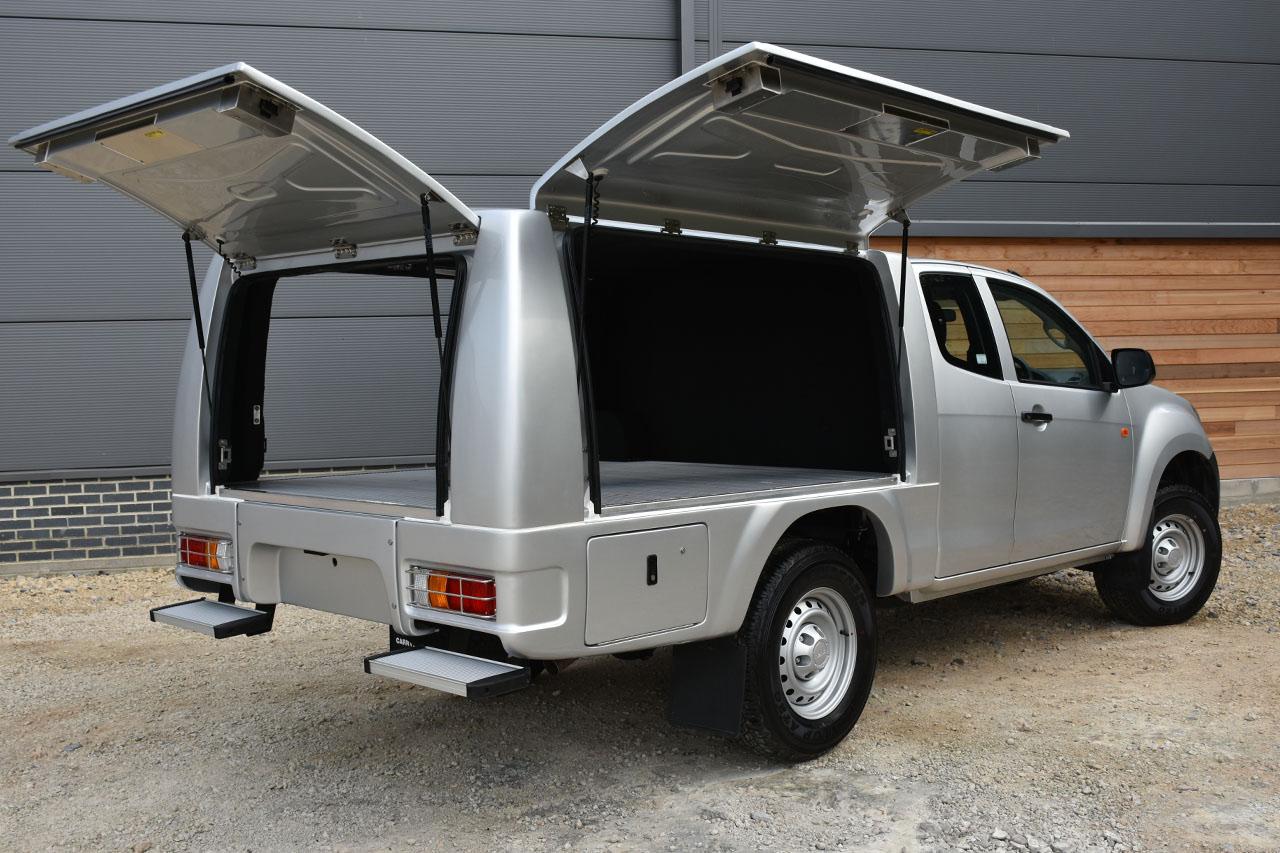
(243, 262)
(343, 250)
(463, 234)
(769, 238)
(559, 216)
(852, 247)
(671, 226)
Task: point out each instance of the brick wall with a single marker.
(99, 523)
(96, 523)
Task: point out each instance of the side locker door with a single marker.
(977, 428)
(1075, 450)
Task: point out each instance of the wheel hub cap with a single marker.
(1177, 557)
(818, 650)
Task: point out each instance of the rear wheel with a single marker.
(811, 653)
(1170, 578)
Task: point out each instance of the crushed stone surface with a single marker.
(1020, 718)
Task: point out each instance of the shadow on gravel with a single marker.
(601, 723)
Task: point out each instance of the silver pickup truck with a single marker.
(680, 402)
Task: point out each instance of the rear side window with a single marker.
(1048, 348)
(959, 322)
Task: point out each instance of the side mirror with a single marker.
(1133, 367)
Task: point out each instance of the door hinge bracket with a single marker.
(463, 234)
(891, 443)
(671, 226)
(559, 216)
(342, 250)
(224, 454)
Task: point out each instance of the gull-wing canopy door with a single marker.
(768, 143)
(250, 166)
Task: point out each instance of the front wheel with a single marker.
(1170, 578)
(811, 653)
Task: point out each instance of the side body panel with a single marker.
(517, 449)
(542, 579)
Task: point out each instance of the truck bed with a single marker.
(625, 487)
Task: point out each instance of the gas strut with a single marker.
(590, 216)
(902, 218)
(195, 305)
(426, 199)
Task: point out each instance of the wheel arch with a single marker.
(855, 530)
(1172, 449)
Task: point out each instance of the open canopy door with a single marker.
(773, 144)
(249, 166)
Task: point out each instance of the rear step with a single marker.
(451, 672)
(215, 618)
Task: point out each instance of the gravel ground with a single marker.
(1019, 718)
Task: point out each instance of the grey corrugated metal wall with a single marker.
(1172, 134)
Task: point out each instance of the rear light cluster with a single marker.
(441, 590)
(201, 552)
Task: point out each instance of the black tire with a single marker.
(1171, 576)
(807, 588)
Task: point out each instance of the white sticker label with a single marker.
(981, 358)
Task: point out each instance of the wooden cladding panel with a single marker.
(1208, 310)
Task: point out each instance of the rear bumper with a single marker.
(357, 565)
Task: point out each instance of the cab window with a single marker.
(1048, 348)
(959, 322)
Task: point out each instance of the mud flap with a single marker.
(707, 683)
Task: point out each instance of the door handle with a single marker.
(1037, 417)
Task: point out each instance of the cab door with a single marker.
(1075, 450)
(977, 428)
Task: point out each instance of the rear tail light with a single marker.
(201, 552)
(441, 590)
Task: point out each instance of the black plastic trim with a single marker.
(444, 397)
(496, 685)
(575, 292)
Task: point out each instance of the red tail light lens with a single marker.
(201, 552)
(474, 596)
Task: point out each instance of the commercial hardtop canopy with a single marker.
(765, 142)
(250, 166)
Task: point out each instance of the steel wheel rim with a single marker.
(1177, 557)
(817, 652)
